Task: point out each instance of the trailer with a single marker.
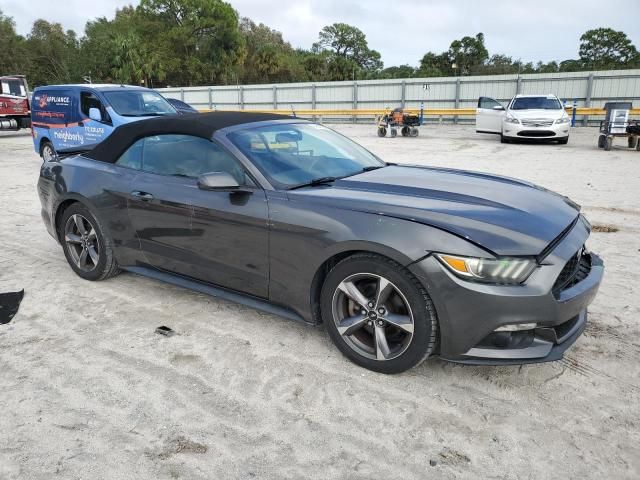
(397, 119)
(616, 123)
(15, 110)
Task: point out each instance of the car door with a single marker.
(220, 237)
(93, 131)
(489, 115)
(233, 247)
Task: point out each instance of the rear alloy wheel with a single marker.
(88, 252)
(378, 314)
(47, 152)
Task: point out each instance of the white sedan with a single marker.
(526, 116)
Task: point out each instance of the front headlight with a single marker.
(510, 271)
(511, 119)
(563, 120)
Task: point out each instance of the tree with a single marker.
(605, 48)
(12, 47)
(350, 52)
(268, 57)
(500, 64)
(550, 67)
(469, 54)
(434, 65)
(52, 54)
(200, 39)
(402, 71)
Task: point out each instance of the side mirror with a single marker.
(94, 114)
(220, 181)
(498, 107)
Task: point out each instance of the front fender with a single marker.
(318, 233)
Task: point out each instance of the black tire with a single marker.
(405, 131)
(407, 290)
(504, 139)
(394, 132)
(601, 140)
(47, 151)
(638, 145)
(564, 141)
(608, 143)
(382, 132)
(106, 265)
(414, 132)
(632, 141)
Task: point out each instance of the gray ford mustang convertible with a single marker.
(398, 262)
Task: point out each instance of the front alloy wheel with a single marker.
(373, 316)
(378, 314)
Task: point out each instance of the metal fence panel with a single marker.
(586, 88)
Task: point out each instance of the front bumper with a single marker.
(469, 313)
(535, 131)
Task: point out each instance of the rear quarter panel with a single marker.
(101, 187)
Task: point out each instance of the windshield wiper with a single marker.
(315, 181)
(372, 167)
(146, 114)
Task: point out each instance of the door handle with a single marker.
(144, 196)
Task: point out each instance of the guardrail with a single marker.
(438, 112)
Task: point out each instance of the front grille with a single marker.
(536, 123)
(537, 133)
(574, 271)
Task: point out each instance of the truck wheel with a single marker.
(601, 140)
(394, 132)
(414, 132)
(382, 132)
(47, 152)
(608, 142)
(633, 141)
(405, 131)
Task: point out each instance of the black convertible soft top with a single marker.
(197, 124)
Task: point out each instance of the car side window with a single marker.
(188, 156)
(89, 100)
(486, 102)
(132, 158)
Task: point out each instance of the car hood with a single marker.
(503, 215)
(537, 114)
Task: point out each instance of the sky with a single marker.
(401, 30)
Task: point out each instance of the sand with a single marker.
(89, 391)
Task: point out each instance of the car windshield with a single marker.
(292, 155)
(536, 103)
(139, 103)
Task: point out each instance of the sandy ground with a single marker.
(88, 391)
